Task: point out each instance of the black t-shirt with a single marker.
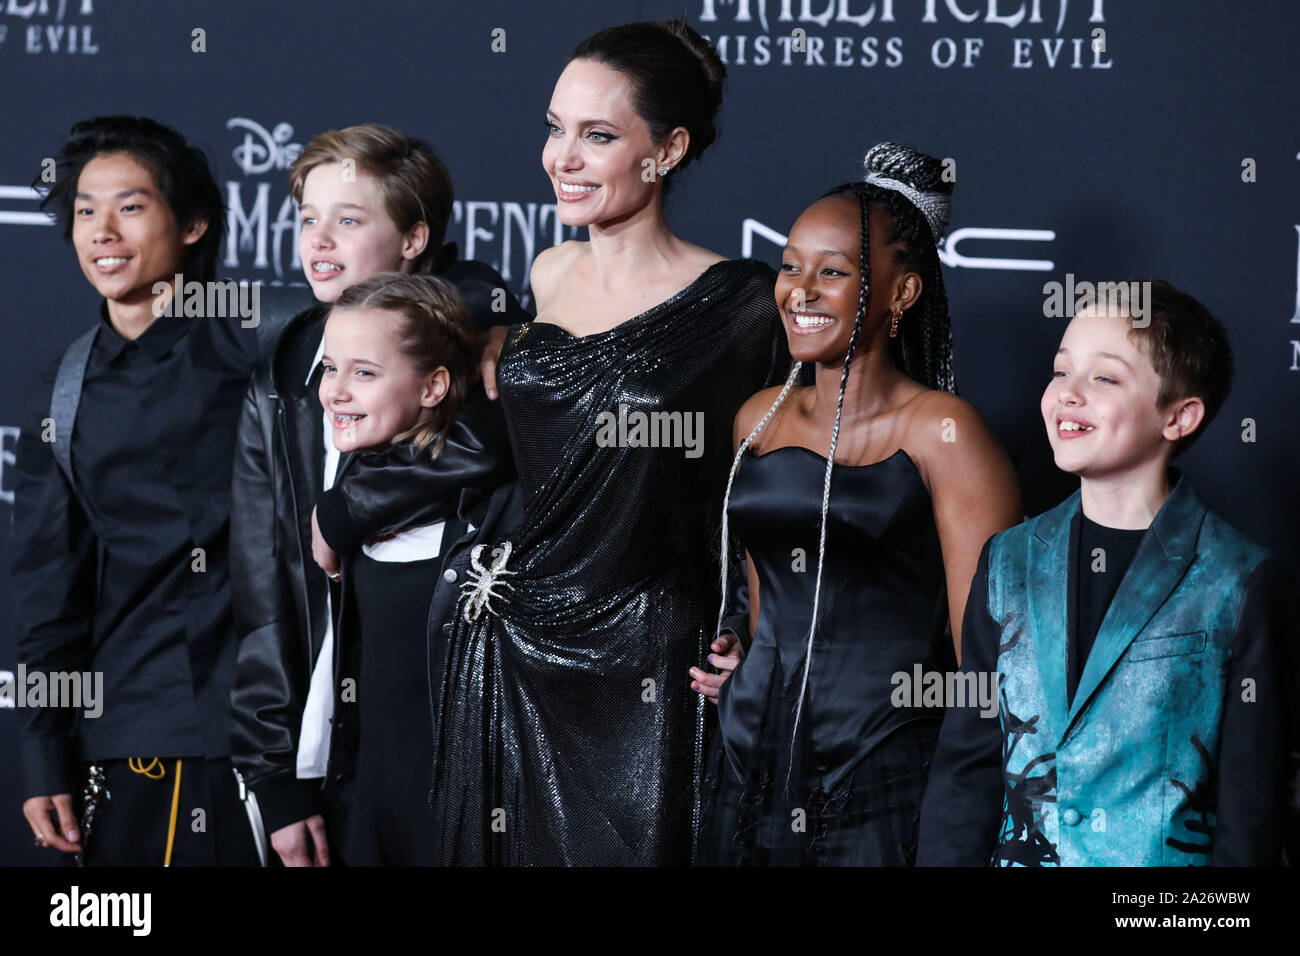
(1103, 557)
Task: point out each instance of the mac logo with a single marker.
(949, 254)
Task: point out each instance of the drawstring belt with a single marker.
(138, 765)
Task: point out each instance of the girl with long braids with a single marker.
(862, 502)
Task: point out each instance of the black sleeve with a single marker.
(270, 685)
(401, 487)
(1253, 740)
(487, 297)
(963, 800)
(53, 573)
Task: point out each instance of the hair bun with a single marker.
(919, 170)
(676, 78)
(711, 65)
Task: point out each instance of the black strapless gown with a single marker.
(848, 790)
(566, 731)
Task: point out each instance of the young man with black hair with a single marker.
(121, 516)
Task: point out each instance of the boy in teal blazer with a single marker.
(1143, 648)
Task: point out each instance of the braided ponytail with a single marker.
(923, 348)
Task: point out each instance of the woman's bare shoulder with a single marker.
(552, 264)
(755, 407)
(946, 434)
(701, 258)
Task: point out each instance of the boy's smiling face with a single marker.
(347, 235)
(1100, 406)
(125, 234)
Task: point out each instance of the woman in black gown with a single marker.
(855, 568)
(563, 732)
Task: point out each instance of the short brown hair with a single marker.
(435, 331)
(414, 182)
(1189, 350)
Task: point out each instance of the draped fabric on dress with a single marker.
(566, 731)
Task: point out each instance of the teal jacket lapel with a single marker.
(1048, 609)
(1166, 551)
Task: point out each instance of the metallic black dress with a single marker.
(565, 728)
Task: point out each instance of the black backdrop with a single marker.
(1105, 154)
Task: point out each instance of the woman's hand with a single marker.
(726, 655)
(491, 355)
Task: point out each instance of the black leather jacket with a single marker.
(278, 591)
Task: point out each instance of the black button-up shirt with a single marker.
(126, 575)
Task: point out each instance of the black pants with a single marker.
(131, 828)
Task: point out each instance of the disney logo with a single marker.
(262, 151)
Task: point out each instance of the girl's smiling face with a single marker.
(818, 287)
(370, 389)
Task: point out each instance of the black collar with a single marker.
(295, 350)
(157, 340)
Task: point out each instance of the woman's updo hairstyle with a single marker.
(676, 78)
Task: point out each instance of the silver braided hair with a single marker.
(935, 207)
(936, 371)
(923, 348)
(864, 293)
(735, 465)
